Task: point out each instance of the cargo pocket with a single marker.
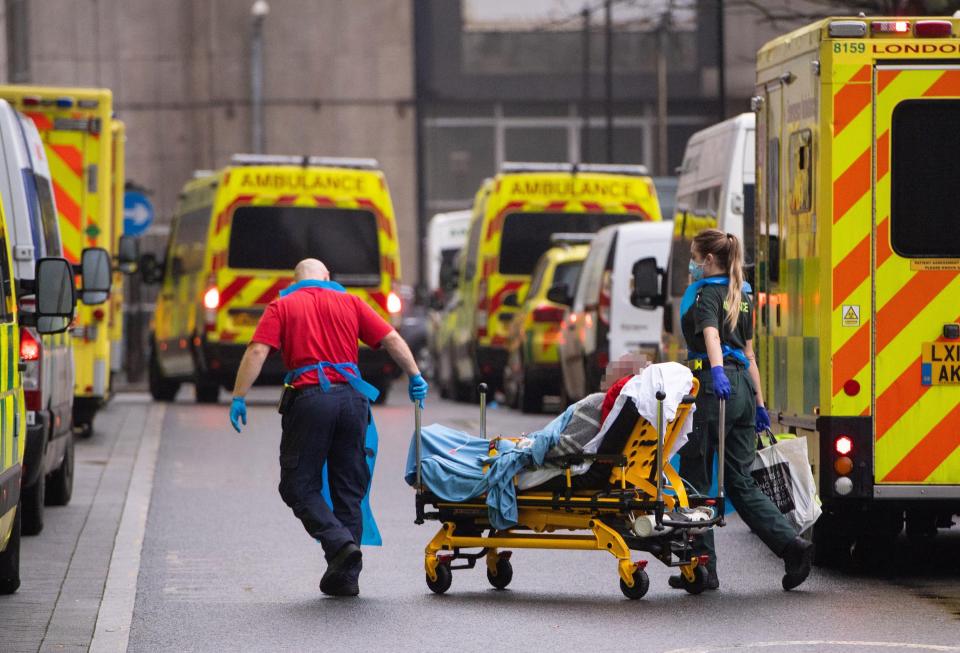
(289, 449)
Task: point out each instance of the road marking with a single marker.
(831, 644)
(112, 632)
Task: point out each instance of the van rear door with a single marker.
(916, 381)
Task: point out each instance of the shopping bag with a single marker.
(783, 474)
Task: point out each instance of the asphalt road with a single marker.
(225, 566)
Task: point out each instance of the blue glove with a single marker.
(417, 389)
(238, 412)
(763, 419)
(721, 384)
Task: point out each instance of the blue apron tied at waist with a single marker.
(348, 371)
(686, 303)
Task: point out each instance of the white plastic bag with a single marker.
(783, 474)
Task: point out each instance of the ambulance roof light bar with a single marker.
(890, 26)
(202, 174)
(933, 28)
(356, 163)
(847, 28)
(267, 160)
(608, 168)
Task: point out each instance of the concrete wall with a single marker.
(338, 81)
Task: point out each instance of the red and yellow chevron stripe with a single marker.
(916, 426)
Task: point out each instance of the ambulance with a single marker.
(235, 238)
(858, 267)
(76, 127)
(514, 215)
(53, 300)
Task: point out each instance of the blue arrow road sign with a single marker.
(137, 213)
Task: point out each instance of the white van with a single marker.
(28, 203)
(715, 189)
(602, 323)
(446, 236)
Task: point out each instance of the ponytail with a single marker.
(735, 272)
(728, 252)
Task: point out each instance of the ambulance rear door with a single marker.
(916, 269)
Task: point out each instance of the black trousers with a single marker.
(326, 428)
(696, 461)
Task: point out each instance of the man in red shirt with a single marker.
(315, 325)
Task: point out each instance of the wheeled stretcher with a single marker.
(644, 506)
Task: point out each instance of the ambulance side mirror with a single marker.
(128, 254)
(151, 269)
(95, 276)
(56, 296)
(647, 286)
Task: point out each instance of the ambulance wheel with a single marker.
(31, 505)
(206, 390)
(504, 574)
(60, 481)
(444, 580)
(10, 560)
(161, 388)
(699, 581)
(641, 583)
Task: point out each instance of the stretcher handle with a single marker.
(721, 455)
(661, 395)
(482, 391)
(417, 408)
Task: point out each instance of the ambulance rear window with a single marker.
(924, 193)
(278, 237)
(526, 236)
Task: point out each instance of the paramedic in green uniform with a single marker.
(717, 323)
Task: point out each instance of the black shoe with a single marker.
(797, 560)
(713, 583)
(334, 581)
(346, 588)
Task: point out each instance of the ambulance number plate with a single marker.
(940, 363)
(245, 317)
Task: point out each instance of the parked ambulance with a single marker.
(514, 215)
(76, 126)
(237, 235)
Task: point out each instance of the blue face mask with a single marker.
(696, 270)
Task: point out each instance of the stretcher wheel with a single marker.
(504, 574)
(699, 582)
(444, 580)
(641, 583)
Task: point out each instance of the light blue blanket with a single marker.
(452, 466)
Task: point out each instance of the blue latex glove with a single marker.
(238, 412)
(721, 384)
(763, 419)
(417, 389)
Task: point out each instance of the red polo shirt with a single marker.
(316, 324)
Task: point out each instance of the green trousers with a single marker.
(696, 461)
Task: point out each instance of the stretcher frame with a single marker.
(641, 482)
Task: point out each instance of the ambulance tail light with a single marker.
(552, 314)
(211, 298)
(890, 27)
(31, 351)
(394, 305)
(603, 304)
(843, 445)
(211, 304)
(933, 28)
